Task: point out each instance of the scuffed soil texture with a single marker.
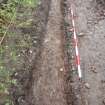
(42, 79)
(42, 56)
(90, 24)
(52, 83)
(48, 75)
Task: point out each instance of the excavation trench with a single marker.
(48, 73)
(43, 73)
(51, 81)
(52, 75)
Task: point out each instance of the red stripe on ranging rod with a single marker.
(77, 60)
(76, 45)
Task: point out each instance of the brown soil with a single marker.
(32, 34)
(91, 22)
(48, 75)
(54, 81)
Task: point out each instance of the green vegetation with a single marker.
(8, 51)
(30, 3)
(9, 10)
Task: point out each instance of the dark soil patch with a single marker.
(100, 8)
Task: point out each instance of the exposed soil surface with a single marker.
(46, 75)
(91, 22)
(52, 82)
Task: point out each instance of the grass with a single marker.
(8, 52)
(30, 3)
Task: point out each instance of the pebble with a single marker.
(19, 55)
(39, 3)
(16, 74)
(46, 40)
(73, 68)
(81, 34)
(87, 85)
(61, 69)
(6, 47)
(35, 41)
(72, 57)
(30, 51)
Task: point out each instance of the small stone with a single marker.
(81, 34)
(104, 13)
(87, 85)
(30, 51)
(6, 47)
(46, 40)
(39, 3)
(16, 74)
(61, 69)
(19, 55)
(73, 68)
(72, 57)
(69, 8)
(35, 41)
